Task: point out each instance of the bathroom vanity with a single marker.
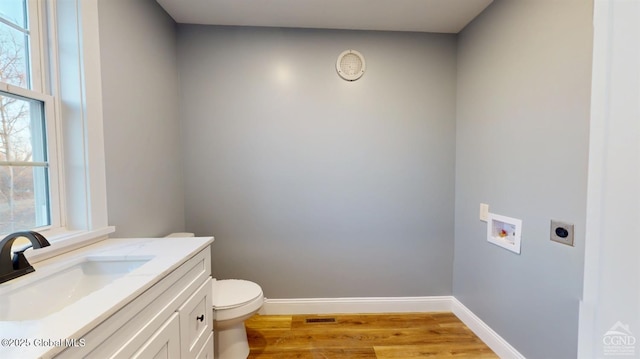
(147, 297)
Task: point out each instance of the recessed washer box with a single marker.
(504, 231)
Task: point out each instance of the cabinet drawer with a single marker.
(164, 343)
(196, 320)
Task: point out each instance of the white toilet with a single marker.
(234, 301)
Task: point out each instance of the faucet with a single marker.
(16, 266)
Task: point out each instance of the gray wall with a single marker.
(524, 70)
(145, 191)
(314, 186)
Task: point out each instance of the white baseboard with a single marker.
(394, 305)
(356, 305)
(493, 340)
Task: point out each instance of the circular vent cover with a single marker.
(350, 65)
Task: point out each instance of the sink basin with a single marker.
(51, 292)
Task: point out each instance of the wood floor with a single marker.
(360, 336)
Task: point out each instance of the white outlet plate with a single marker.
(504, 232)
(484, 212)
(562, 232)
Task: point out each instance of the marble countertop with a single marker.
(48, 335)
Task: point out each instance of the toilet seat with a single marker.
(235, 298)
(234, 293)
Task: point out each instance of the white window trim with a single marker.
(36, 24)
(64, 241)
(76, 82)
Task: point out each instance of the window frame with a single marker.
(51, 142)
(73, 77)
(39, 90)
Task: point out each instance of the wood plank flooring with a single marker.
(363, 336)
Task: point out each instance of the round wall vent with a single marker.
(350, 65)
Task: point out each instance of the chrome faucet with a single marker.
(17, 265)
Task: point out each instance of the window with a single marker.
(58, 182)
(28, 177)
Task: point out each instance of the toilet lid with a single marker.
(234, 292)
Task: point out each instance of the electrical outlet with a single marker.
(562, 232)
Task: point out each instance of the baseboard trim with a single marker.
(394, 305)
(356, 305)
(493, 340)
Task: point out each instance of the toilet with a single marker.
(234, 301)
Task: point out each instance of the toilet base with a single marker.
(231, 342)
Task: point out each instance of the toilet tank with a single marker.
(180, 235)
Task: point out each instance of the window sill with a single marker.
(63, 241)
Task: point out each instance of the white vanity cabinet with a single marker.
(165, 342)
(171, 319)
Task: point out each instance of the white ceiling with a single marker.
(446, 16)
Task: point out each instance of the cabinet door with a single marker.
(164, 343)
(207, 351)
(196, 321)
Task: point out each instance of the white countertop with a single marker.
(35, 338)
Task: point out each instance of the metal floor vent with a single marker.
(320, 320)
